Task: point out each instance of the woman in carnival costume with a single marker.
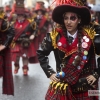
(73, 47)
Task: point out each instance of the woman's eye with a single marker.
(73, 18)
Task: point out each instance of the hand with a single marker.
(91, 79)
(2, 47)
(32, 37)
(53, 78)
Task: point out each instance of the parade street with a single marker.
(31, 87)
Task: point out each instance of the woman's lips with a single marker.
(69, 27)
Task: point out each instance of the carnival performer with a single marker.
(6, 36)
(41, 20)
(23, 44)
(7, 10)
(73, 47)
(49, 18)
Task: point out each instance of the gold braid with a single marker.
(8, 24)
(90, 31)
(53, 35)
(32, 23)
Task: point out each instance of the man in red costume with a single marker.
(41, 20)
(6, 36)
(23, 44)
(7, 11)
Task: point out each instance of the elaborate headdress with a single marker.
(19, 8)
(7, 8)
(76, 6)
(40, 7)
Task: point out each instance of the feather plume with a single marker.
(72, 2)
(60, 2)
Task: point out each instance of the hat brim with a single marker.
(43, 11)
(20, 12)
(83, 12)
(24, 13)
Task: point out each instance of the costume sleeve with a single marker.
(43, 52)
(97, 29)
(98, 69)
(9, 31)
(96, 72)
(97, 44)
(32, 27)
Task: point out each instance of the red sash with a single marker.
(18, 30)
(42, 22)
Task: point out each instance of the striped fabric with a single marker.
(84, 96)
(51, 95)
(1, 66)
(30, 52)
(72, 76)
(8, 87)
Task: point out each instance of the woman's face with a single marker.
(39, 13)
(71, 22)
(21, 17)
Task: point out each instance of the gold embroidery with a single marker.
(12, 23)
(56, 86)
(13, 43)
(53, 35)
(79, 2)
(32, 23)
(2, 15)
(69, 53)
(90, 31)
(6, 28)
